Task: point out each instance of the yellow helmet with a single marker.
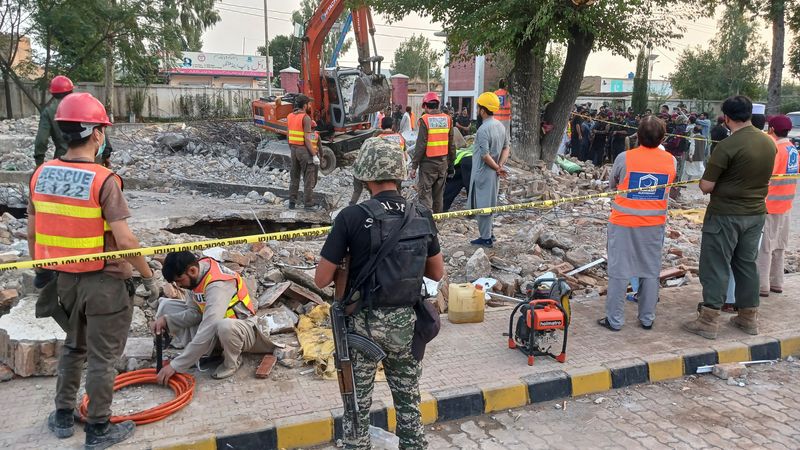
(490, 101)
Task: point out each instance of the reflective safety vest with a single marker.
(413, 120)
(294, 121)
(644, 167)
(215, 273)
(461, 154)
(504, 113)
(395, 138)
(69, 219)
(782, 190)
(438, 134)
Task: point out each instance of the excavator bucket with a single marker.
(371, 93)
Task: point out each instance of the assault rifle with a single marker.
(344, 341)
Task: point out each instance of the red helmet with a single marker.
(60, 85)
(82, 107)
(431, 97)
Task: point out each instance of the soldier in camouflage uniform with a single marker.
(380, 165)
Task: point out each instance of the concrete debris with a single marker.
(280, 319)
(550, 240)
(478, 265)
(5, 373)
(139, 347)
(731, 370)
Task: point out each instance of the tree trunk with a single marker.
(527, 79)
(777, 14)
(558, 111)
(108, 100)
(7, 92)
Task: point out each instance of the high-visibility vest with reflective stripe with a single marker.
(504, 113)
(644, 167)
(461, 154)
(395, 138)
(69, 218)
(215, 273)
(438, 134)
(294, 122)
(782, 190)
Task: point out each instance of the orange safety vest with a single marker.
(69, 219)
(782, 190)
(504, 113)
(644, 167)
(215, 273)
(296, 131)
(395, 138)
(438, 134)
(413, 121)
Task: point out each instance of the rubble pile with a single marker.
(16, 141)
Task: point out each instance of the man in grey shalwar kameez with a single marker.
(637, 223)
(491, 151)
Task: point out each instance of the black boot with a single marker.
(104, 435)
(62, 423)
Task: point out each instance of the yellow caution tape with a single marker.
(314, 232)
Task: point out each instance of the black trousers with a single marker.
(460, 181)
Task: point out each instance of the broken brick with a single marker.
(731, 370)
(267, 363)
(673, 272)
(7, 297)
(675, 251)
(236, 257)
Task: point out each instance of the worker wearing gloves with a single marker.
(304, 147)
(434, 153)
(77, 208)
(779, 206)
(60, 87)
(491, 151)
(460, 179)
(637, 223)
(218, 312)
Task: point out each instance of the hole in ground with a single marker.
(229, 228)
(18, 213)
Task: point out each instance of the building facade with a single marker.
(217, 70)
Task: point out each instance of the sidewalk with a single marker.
(462, 358)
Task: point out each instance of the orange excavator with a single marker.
(341, 98)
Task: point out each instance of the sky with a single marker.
(241, 31)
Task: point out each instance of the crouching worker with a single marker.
(217, 313)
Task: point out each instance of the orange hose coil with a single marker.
(182, 384)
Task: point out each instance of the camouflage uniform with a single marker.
(48, 128)
(392, 330)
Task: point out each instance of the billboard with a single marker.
(656, 87)
(199, 63)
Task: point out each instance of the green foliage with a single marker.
(733, 63)
(415, 58)
(304, 14)
(136, 100)
(553, 63)
(640, 83)
(284, 51)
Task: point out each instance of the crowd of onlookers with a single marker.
(600, 135)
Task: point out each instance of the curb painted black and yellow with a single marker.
(468, 401)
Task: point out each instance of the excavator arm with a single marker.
(371, 91)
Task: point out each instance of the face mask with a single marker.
(102, 147)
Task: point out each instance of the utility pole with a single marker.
(266, 47)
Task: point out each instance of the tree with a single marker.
(524, 28)
(551, 74)
(777, 15)
(415, 58)
(284, 51)
(640, 84)
(11, 18)
(732, 64)
(304, 14)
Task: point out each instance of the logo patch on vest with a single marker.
(791, 163)
(437, 122)
(640, 180)
(65, 182)
(502, 100)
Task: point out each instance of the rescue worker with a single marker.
(779, 206)
(60, 87)
(488, 165)
(637, 224)
(216, 313)
(504, 113)
(737, 177)
(387, 133)
(77, 208)
(304, 154)
(387, 316)
(434, 153)
(459, 180)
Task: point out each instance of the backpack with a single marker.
(393, 278)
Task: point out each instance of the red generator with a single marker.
(538, 327)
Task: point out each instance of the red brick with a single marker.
(47, 349)
(267, 363)
(25, 359)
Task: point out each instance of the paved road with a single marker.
(700, 412)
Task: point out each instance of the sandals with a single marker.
(604, 323)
